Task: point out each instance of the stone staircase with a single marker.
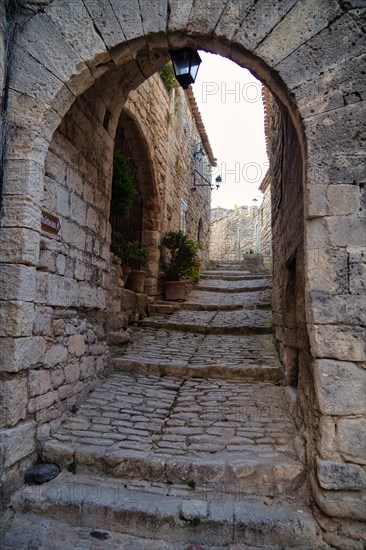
(188, 444)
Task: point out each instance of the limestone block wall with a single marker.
(234, 233)
(2, 48)
(60, 350)
(265, 219)
(165, 119)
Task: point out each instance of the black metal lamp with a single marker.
(186, 63)
(218, 181)
(199, 154)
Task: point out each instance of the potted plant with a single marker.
(179, 259)
(119, 247)
(137, 260)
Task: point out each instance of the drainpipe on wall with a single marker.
(11, 28)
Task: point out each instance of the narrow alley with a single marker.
(189, 441)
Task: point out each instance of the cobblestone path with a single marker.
(188, 442)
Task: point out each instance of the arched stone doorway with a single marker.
(311, 68)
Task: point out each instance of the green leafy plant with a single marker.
(123, 187)
(195, 521)
(72, 467)
(168, 77)
(137, 256)
(129, 252)
(179, 254)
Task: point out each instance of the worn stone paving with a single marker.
(238, 299)
(208, 322)
(233, 286)
(200, 420)
(29, 533)
(183, 417)
(217, 355)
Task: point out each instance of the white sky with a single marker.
(229, 99)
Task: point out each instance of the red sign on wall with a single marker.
(50, 223)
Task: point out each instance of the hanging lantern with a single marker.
(186, 63)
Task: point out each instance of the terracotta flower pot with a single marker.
(126, 272)
(175, 291)
(136, 280)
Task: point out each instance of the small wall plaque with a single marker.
(50, 223)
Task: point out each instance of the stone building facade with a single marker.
(71, 54)
(54, 348)
(234, 233)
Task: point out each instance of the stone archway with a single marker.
(308, 57)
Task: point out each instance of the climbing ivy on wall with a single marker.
(168, 77)
(123, 187)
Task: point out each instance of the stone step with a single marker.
(199, 300)
(103, 504)
(260, 474)
(233, 286)
(245, 372)
(231, 275)
(59, 535)
(214, 322)
(248, 357)
(218, 432)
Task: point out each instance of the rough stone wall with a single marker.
(2, 50)
(309, 54)
(265, 220)
(80, 303)
(184, 199)
(166, 121)
(331, 415)
(234, 233)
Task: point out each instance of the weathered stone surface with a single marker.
(259, 22)
(41, 473)
(327, 437)
(77, 26)
(55, 355)
(343, 200)
(18, 282)
(337, 309)
(42, 401)
(20, 207)
(337, 476)
(18, 442)
(17, 354)
(357, 270)
(39, 382)
(77, 345)
(194, 508)
(105, 21)
(327, 268)
(18, 245)
(32, 78)
(351, 439)
(23, 177)
(305, 63)
(16, 318)
(340, 387)
(179, 14)
(309, 16)
(341, 504)
(341, 342)
(13, 401)
(72, 372)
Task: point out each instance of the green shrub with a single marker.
(179, 255)
(130, 253)
(123, 187)
(168, 77)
